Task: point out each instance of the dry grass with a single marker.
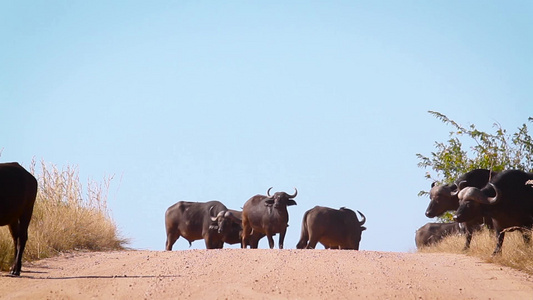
(515, 253)
(66, 216)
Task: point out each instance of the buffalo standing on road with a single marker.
(445, 197)
(267, 215)
(507, 199)
(333, 228)
(18, 189)
(192, 220)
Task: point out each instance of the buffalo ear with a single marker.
(269, 201)
(363, 228)
(291, 202)
(433, 184)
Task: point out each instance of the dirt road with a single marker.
(265, 274)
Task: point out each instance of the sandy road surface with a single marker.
(265, 274)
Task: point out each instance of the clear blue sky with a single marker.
(202, 100)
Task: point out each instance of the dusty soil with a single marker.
(265, 274)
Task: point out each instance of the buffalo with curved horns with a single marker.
(507, 199)
(192, 221)
(267, 215)
(445, 197)
(18, 189)
(333, 228)
(228, 223)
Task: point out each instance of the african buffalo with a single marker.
(445, 197)
(333, 228)
(432, 233)
(192, 220)
(267, 215)
(228, 223)
(507, 199)
(18, 189)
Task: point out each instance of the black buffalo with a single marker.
(267, 215)
(228, 223)
(18, 189)
(192, 221)
(432, 233)
(333, 228)
(444, 198)
(507, 199)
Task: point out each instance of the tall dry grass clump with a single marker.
(66, 216)
(515, 253)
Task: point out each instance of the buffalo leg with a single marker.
(468, 240)
(281, 238)
(19, 232)
(270, 240)
(253, 241)
(312, 243)
(20, 237)
(526, 234)
(254, 244)
(172, 237)
(245, 242)
(498, 249)
(246, 231)
(302, 243)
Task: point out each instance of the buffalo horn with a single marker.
(363, 218)
(475, 194)
(462, 185)
(295, 193)
(496, 198)
(214, 219)
(268, 192)
(459, 187)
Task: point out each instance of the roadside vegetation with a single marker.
(495, 151)
(67, 216)
(515, 253)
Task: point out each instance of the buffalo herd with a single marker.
(500, 201)
(262, 215)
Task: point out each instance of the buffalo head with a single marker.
(361, 229)
(443, 198)
(223, 220)
(280, 199)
